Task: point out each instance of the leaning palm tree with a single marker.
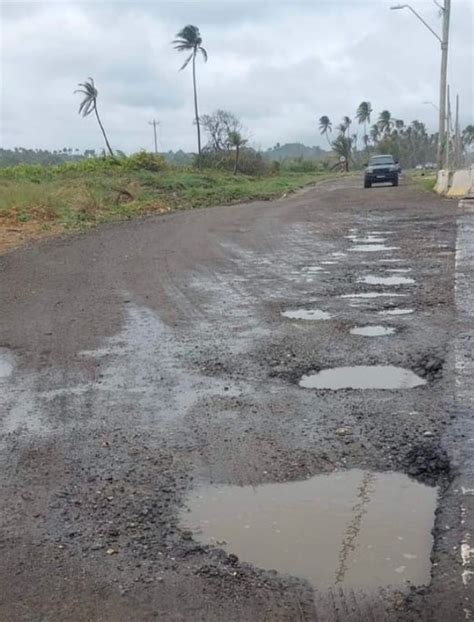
(235, 139)
(385, 122)
(89, 105)
(363, 116)
(325, 126)
(189, 40)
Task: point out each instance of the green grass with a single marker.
(425, 181)
(84, 194)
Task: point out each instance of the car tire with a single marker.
(367, 184)
(395, 182)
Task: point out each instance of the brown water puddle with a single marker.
(355, 528)
(362, 377)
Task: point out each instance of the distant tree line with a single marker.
(410, 143)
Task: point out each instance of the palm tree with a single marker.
(347, 124)
(363, 114)
(385, 121)
(375, 133)
(468, 135)
(235, 139)
(342, 146)
(89, 105)
(189, 39)
(325, 126)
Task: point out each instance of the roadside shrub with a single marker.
(144, 161)
(302, 166)
(250, 161)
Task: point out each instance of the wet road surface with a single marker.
(150, 365)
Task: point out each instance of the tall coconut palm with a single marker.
(363, 116)
(189, 40)
(325, 127)
(89, 105)
(235, 139)
(385, 122)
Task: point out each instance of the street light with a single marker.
(444, 39)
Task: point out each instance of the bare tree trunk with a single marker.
(103, 131)
(196, 113)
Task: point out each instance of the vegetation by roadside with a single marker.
(423, 180)
(36, 200)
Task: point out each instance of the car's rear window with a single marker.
(381, 160)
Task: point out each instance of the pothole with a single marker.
(396, 311)
(386, 280)
(372, 295)
(7, 363)
(367, 248)
(352, 529)
(368, 240)
(306, 314)
(362, 377)
(372, 331)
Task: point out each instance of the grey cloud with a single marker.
(278, 65)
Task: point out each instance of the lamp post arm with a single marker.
(423, 22)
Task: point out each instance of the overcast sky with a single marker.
(277, 65)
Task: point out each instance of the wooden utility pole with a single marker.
(155, 124)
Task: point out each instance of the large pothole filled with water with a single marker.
(353, 529)
(372, 330)
(362, 377)
(306, 314)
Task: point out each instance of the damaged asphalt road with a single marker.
(151, 359)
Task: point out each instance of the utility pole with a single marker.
(443, 82)
(444, 41)
(457, 137)
(155, 123)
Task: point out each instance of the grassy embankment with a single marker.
(36, 201)
(425, 180)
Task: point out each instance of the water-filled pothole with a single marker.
(351, 529)
(372, 295)
(386, 280)
(362, 377)
(372, 331)
(307, 314)
(6, 362)
(396, 311)
(367, 248)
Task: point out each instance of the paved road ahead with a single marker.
(147, 358)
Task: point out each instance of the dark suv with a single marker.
(381, 169)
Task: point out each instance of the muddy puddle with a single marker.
(6, 363)
(367, 248)
(386, 377)
(372, 331)
(396, 311)
(306, 314)
(351, 529)
(372, 295)
(386, 280)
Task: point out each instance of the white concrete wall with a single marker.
(456, 184)
(462, 184)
